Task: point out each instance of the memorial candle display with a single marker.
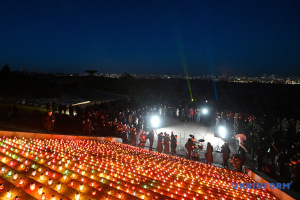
(89, 169)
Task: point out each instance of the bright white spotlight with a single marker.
(204, 111)
(155, 121)
(222, 131)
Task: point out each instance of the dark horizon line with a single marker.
(154, 74)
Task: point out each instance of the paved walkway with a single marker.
(184, 129)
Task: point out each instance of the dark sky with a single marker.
(156, 36)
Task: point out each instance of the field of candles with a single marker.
(55, 169)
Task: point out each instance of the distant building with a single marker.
(91, 72)
(265, 76)
(272, 76)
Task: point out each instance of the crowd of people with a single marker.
(267, 136)
(277, 139)
(117, 116)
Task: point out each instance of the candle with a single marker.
(58, 186)
(43, 196)
(81, 187)
(77, 196)
(121, 167)
(50, 181)
(32, 186)
(8, 194)
(15, 176)
(41, 189)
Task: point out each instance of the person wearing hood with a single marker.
(173, 145)
(167, 144)
(160, 142)
(150, 136)
(225, 150)
(190, 145)
(142, 137)
(208, 154)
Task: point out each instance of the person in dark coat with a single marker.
(65, 108)
(280, 161)
(237, 161)
(173, 145)
(87, 126)
(120, 129)
(226, 154)
(71, 110)
(167, 144)
(124, 134)
(190, 145)
(295, 173)
(241, 151)
(48, 106)
(259, 157)
(159, 147)
(172, 135)
(273, 152)
(142, 137)
(132, 135)
(151, 139)
(48, 121)
(60, 108)
(53, 106)
(208, 154)
(252, 144)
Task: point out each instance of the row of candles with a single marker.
(108, 170)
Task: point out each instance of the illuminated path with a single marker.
(86, 169)
(183, 130)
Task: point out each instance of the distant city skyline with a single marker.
(97, 73)
(23, 69)
(248, 38)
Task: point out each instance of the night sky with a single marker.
(156, 36)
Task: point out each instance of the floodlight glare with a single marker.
(222, 131)
(155, 121)
(205, 111)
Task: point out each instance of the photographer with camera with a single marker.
(237, 161)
